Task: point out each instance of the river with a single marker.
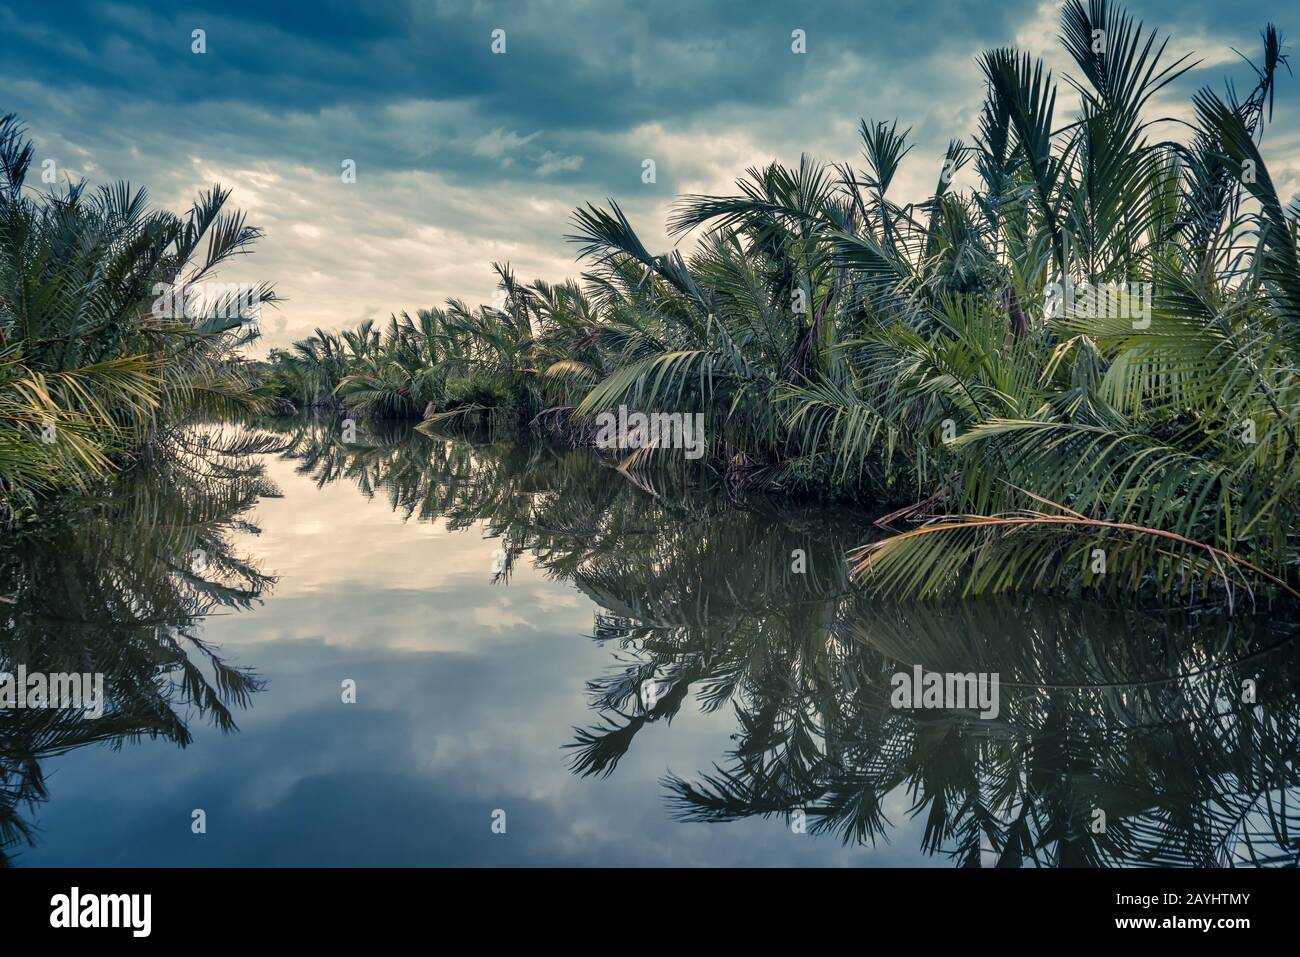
(417, 650)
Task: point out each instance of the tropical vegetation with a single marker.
(93, 374)
(921, 356)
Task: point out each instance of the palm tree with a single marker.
(89, 375)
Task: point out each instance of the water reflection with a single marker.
(119, 585)
(1125, 736)
(1179, 728)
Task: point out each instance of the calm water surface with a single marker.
(625, 675)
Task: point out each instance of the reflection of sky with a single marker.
(466, 692)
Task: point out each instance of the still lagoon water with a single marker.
(555, 665)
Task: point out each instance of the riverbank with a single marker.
(1052, 377)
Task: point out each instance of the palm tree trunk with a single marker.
(1019, 321)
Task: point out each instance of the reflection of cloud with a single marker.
(418, 585)
(411, 774)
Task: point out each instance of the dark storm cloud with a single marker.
(492, 152)
(571, 68)
(415, 86)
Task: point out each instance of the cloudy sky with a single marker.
(464, 157)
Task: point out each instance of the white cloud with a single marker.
(552, 162)
(500, 142)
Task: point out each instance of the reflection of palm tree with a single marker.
(1182, 770)
(119, 585)
(1129, 712)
